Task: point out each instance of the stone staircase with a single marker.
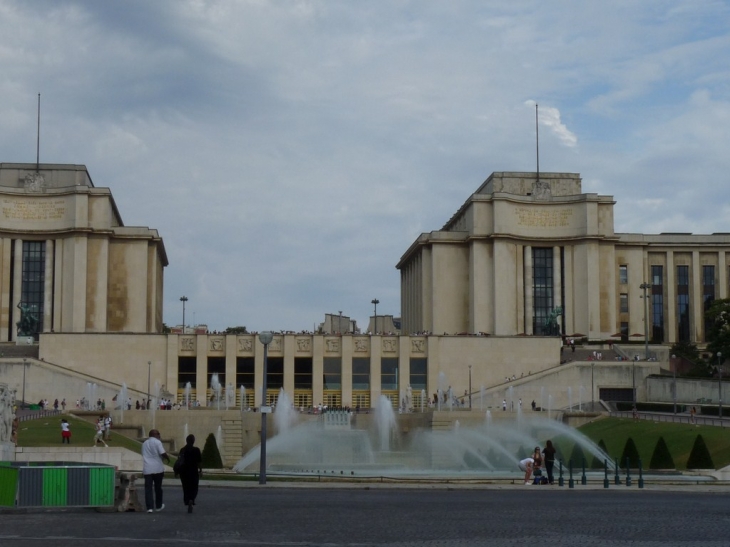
(232, 441)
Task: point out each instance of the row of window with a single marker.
(303, 372)
(683, 300)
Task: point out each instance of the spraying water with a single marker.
(385, 420)
(123, 398)
(188, 387)
(285, 415)
(215, 386)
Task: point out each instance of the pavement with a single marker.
(380, 514)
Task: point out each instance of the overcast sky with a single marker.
(289, 152)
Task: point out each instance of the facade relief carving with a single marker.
(332, 344)
(418, 346)
(245, 344)
(542, 191)
(187, 343)
(390, 345)
(276, 344)
(304, 344)
(361, 345)
(34, 182)
(216, 344)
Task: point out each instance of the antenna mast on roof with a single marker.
(537, 144)
(38, 138)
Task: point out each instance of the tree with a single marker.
(211, 455)
(597, 462)
(235, 330)
(661, 458)
(700, 457)
(577, 456)
(718, 338)
(630, 452)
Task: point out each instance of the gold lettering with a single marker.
(544, 218)
(36, 210)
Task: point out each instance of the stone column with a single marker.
(48, 288)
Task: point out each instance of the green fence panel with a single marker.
(102, 481)
(55, 486)
(8, 486)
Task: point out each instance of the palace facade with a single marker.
(522, 254)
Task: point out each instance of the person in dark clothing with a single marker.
(549, 459)
(191, 471)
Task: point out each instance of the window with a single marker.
(624, 303)
(245, 372)
(361, 373)
(542, 282)
(33, 283)
(389, 373)
(275, 376)
(708, 294)
(186, 367)
(657, 304)
(217, 365)
(419, 373)
(332, 373)
(623, 274)
(683, 303)
(302, 373)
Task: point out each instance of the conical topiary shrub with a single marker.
(577, 456)
(661, 458)
(630, 452)
(211, 455)
(597, 462)
(700, 457)
(522, 453)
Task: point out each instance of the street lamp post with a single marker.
(375, 303)
(646, 286)
(183, 299)
(25, 361)
(149, 374)
(719, 381)
(469, 387)
(265, 338)
(593, 397)
(674, 383)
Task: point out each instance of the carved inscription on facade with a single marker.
(216, 344)
(390, 345)
(418, 346)
(34, 210)
(333, 345)
(544, 218)
(303, 344)
(187, 344)
(245, 344)
(361, 345)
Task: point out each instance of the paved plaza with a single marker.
(394, 515)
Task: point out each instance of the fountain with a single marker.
(188, 388)
(243, 398)
(154, 403)
(122, 396)
(385, 443)
(215, 386)
(570, 399)
(285, 414)
(230, 396)
(219, 438)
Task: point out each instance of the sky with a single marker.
(289, 152)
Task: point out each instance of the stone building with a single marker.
(523, 254)
(69, 261)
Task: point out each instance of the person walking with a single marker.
(549, 458)
(189, 471)
(153, 452)
(65, 432)
(99, 437)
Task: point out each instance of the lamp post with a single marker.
(25, 361)
(375, 303)
(646, 286)
(593, 397)
(149, 374)
(265, 338)
(674, 383)
(183, 299)
(469, 387)
(719, 381)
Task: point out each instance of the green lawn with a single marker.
(47, 432)
(679, 438)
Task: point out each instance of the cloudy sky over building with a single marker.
(289, 152)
